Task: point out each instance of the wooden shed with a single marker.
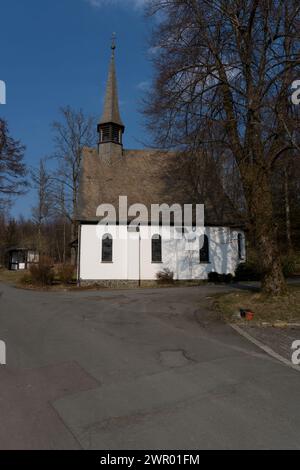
(21, 258)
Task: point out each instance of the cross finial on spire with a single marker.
(113, 43)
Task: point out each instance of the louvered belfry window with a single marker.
(110, 133)
(106, 133)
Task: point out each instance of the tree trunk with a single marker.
(263, 228)
(273, 281)
(64, 242)
(287, 211)
(74, 235)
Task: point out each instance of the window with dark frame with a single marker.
(204, 250)
(156, 249)
(240, 246)
(107, 248)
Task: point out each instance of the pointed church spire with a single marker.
(111, 112)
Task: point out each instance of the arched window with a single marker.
(107, 248)
(204, 250)
(240, 246)
(156, 249)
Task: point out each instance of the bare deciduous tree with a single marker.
(223, 75)
(12, 167)
(41, 182)
(72, 134)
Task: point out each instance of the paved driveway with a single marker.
(134, 369)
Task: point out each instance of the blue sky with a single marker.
(56, 53)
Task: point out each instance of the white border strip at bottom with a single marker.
(264, 347)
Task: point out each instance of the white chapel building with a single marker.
(130, 246)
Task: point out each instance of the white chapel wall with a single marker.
(131, 260)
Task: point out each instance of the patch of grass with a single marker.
(23, 279)
(266, 308)
(12, 277)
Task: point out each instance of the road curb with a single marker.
(264, 347)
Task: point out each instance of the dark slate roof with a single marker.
(151, 177)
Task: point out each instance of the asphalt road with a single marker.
(137, 369)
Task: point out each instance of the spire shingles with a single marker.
(111, 112)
